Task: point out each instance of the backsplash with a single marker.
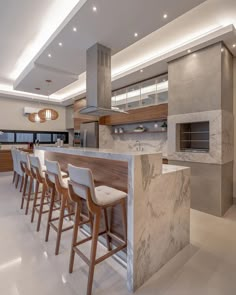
(152, 142)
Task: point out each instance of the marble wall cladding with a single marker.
(221, 137)
(161, 211)
(150, 142)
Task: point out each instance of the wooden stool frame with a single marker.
(96, 212)
(63, 194)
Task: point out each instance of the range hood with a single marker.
(98, 82)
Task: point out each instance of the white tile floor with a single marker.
(28, 264)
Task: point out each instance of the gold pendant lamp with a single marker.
(48, 114)
(34, 118)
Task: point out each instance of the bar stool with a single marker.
(39, 176)
(13, 154)
(56, 182)
(25, 166)
(20, 173)
(81, 186)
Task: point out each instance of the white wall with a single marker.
(11, 116)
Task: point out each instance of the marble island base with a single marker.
(158, 203)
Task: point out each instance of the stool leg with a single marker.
(14, 177)
(41, 207)
(24, 191)
(17, 180)
(124, 219)
(35, 200)
(74, 238)
(108, 239)
(25, 185)
(29, 194)
(96, 225)
(22, 182)
(50, 213)
(60, 223)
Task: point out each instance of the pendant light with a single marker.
(34, 118)
(48, 114)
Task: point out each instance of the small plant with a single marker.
(164, 125)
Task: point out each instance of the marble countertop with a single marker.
(98, 153)
(111, 154)
(166, 168)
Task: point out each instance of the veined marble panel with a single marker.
(150, 142)
(221, 137)
(158, 208)
(161, 211)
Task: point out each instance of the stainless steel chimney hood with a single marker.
(98, 82)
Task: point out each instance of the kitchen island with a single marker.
(158, 205)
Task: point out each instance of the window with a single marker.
(44, 137)
(24, 137)
(7, 137)
(61, 136)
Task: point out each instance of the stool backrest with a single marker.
(18, 162)
(83, 177)
(25, 160)
(13, 154)
(36, 165)
(53, 168)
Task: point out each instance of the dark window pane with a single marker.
(6, 137)
(24, 137)
(59, 136)
(44, 137)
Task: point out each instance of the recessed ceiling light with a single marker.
(75, 29)
(135, 35)
(49, 55)
(194, 55)
(141, 71)
(189, 51)
(234, 45)
(222, 50)
(94, 8)
(60, 44)
(165, 15)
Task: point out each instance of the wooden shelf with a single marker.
(194, 140)
(195, 132)
(132, 132)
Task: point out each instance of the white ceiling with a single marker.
(113, 25)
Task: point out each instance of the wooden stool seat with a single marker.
(106, 195)
(81, 187)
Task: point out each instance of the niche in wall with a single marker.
(193, 137)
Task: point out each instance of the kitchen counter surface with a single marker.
(95, 152)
